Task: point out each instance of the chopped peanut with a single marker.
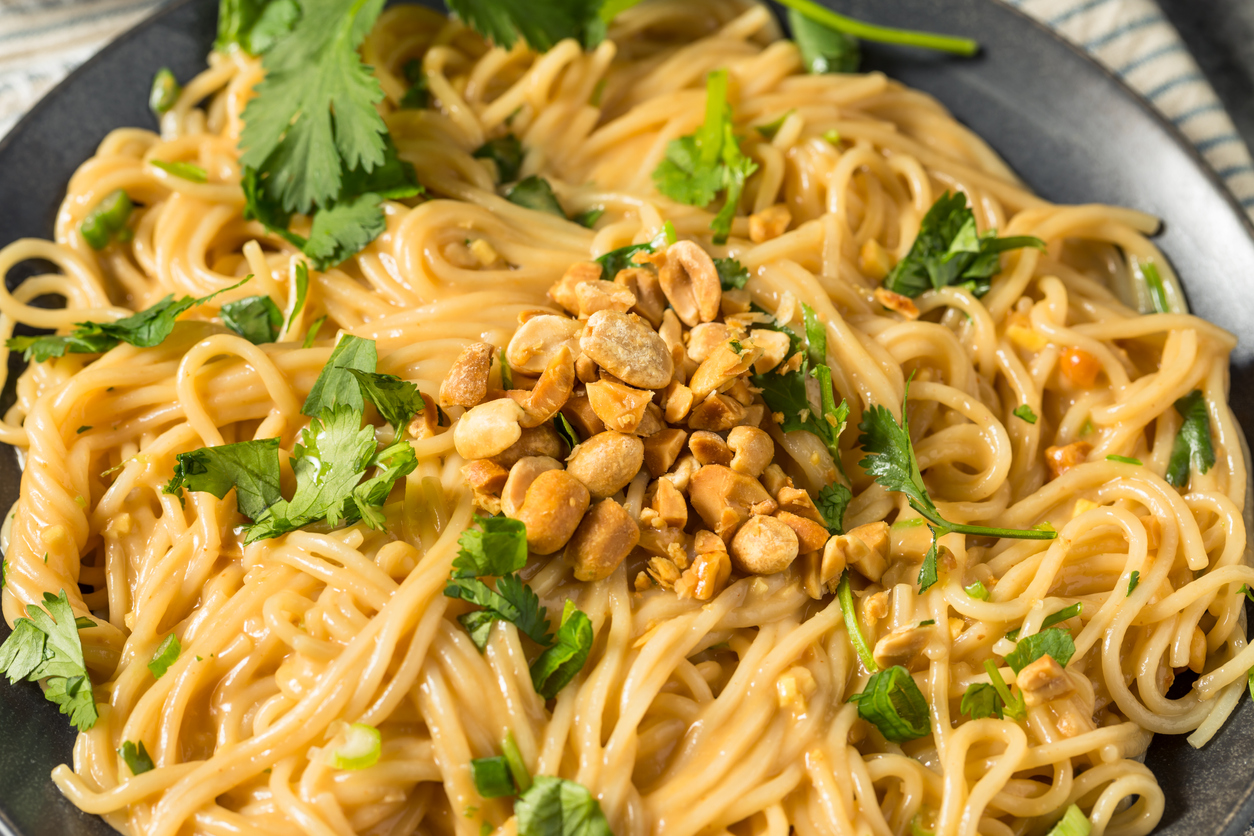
(619, 406)
(1062, 459)
(662, 449)
(1043, 680)
(865, 548)
(709, 571)
(797, 501)
(467, 380)
(677, 401)
(555, 503)
(537, 341)
(774, 346)
(626, 347)
(643, 284)
(903, 305)
(1079, 367)
(565, 292)
(709, 448)
(488, 429)
(690, 282)
(754, 450)
(579, 413)
(903, 647)
(810, 535)
(725, 498)
(601, 295)
(603, 539)
(551, 391)
(521, 475)
(669, 504)
(705, 338)
(717, 412)
(770, 223)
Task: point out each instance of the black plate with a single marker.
(1072, 131)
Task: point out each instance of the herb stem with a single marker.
(844, 593)
(883, 34)
(944, 526)
(1010, 703)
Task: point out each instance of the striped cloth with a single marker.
(42, 40)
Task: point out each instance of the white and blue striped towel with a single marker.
(42, 40)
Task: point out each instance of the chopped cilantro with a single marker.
(256, 319)
(1192, 449)
(137, 759)
(1025, 412)
(732, 275)
(45, 645)
(167, 654)
(506, 151)
(535, 193)
(557, 807)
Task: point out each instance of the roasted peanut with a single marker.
(718, 413)
(586, 370)
(554, 505)
(603, 296)
(690, 281)
(651, 422)
(682, 471)
(709, 448)
(551, 391)
(643, 283)
(763, 546)
(903, 647)
(661, 449)
(725, 498)
(669, 504)
(735, 301)
(754, 450)
(606, 462)
(606, 536)
(565, 291)
(488, 429)
(677, 401)
(774, 346)
(534, 441)
(709, 571)
(486, 476)
(626, 347)
(467, 380)
(1062, 459)
(537, 341)
(865, 548)
(425, 422)
(774, 479)
(903, 305)
(520, 477)
(705, 338)
(579, 412)
(769, 223)
(721, 369)
(796, 501)
(663, 571)
(619, 406)
(1043, 680)
(810, 535)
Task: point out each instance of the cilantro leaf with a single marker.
(732, 275)
(1056, 642)
(699, 166)
(541, 25)
(927, 570)
(948, 250)
(45, 645)
(336, 385)
(506, 151)
(557, 807)
(397, 400)
(981, 700)
(1025, 412)
(137, 759)
(892, 702)
(497, 547)
(1192, 449)
(144, 329)
(832, 502)
(823, 49)
(492, 777)
(251, 467)
(256, 319)
(559, 664)
(511, 601)
(344, 229)
(313, 115)
(166, 655)
(890, 459)
(536, 193)
(254, 25)
(620, 259)
(1134, 580)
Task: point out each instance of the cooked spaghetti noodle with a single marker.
(722, 716)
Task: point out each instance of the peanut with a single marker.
(626, 347)
(601, 542)
(467, 380)
(662, 448)
(520, 477)
(551, 391)
(565, 291)
(618, 406)
(769, 223)
(690, 281)
(603, 296)
(725, 498)
(537, 341)
(763, 546)
(488, 429)
(554, 505)
(754, 450)
(606, 462)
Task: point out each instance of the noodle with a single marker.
(726, 716)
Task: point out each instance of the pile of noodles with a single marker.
(723, 717)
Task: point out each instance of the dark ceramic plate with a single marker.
(1073, 132)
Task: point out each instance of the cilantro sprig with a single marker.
(890, 459)
(699, 166)
(497, 547)
(950, 251)
(330, 463)
(814, 13)
(45, 645)
(144, 329)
